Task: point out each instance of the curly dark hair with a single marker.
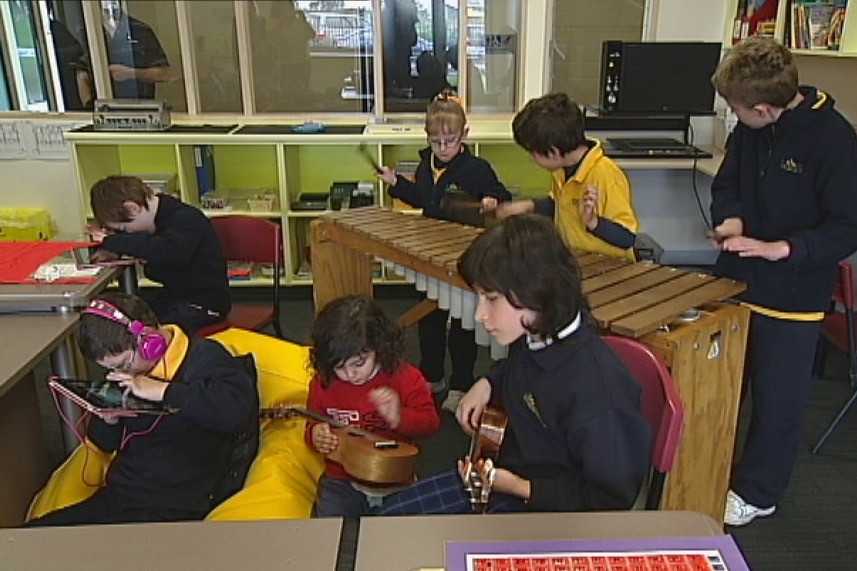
(349, 326)
(525, 259)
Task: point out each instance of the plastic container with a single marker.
(25, 224)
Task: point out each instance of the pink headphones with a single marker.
(151, 344)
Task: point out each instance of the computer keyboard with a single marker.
(643, 148)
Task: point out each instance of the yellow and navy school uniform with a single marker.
(614, 202)
(433, 179)
(166, 468)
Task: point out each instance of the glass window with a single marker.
(216, 50)
(161, 18)
(142, 50)
(27, 58)
(417, 37)
(67, 38)
(312, 55)
(580, 27)
(5, 98)
(493, 39)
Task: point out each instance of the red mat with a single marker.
(19, 260)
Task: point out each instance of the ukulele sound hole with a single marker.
(386, 444)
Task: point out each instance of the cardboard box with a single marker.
(25, 224)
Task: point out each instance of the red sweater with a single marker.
(350, 404)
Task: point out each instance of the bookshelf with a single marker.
(824, 28)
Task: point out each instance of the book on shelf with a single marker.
(837, 21)
(818, 17)
(816, 25)
(203, 162)
(754, 18)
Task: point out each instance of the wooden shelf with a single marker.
(287, 165)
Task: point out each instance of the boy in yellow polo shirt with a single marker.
(591, 199)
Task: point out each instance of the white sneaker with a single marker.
(739, 512)
(451, 402)
(438, 387)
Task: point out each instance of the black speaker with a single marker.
(611, 72)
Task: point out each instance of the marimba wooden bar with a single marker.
(680, 315)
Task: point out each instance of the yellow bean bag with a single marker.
(282, 481)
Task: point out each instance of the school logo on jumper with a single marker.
(344, 416)
(792, 166)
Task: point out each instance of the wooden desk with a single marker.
(27, 340)
(58, 299)
(284, 545)
(409, 543)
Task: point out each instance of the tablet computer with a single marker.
(84, 259)
(105, 398)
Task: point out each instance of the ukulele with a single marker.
(362, 454)
(484, 447)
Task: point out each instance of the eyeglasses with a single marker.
(444, 143)
(125, 367)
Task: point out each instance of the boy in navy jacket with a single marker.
(176, 241)
(784, 209)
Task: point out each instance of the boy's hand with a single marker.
(389, 405)
(752, 248)
(588, 207)
(387, 174)
(472, 404)
(729, 228)
(323, 439)
(102, 255)
(140, 385)
(506, 209)
(489, 204)
(97, 233)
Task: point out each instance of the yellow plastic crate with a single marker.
(24, 224)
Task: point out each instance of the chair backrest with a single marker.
(661, 405)
(250, 239)
(843, 287)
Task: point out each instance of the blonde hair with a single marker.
(445, 115)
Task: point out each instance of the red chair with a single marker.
(838, 330)
(250, 239)
(660, 406)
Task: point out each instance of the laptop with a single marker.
(84, 259)
(106, 398)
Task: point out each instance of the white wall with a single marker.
(687, 20)
(47, 184)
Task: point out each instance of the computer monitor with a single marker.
(658, 77)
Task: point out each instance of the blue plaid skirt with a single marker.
(442, 494)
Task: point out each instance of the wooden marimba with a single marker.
(423, 251)
(680, 315)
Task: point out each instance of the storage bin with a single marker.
(25, 224)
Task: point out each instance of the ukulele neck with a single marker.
(289, 411)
